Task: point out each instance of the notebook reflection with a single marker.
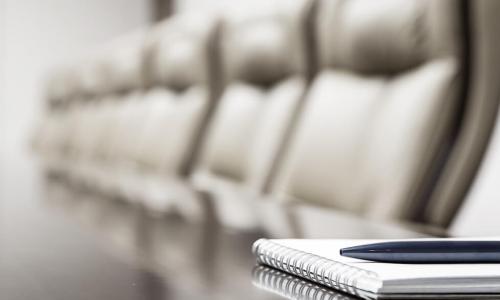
(292, 287)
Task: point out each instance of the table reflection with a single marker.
(181, 255)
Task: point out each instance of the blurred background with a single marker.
(38, 37)
(183, 130)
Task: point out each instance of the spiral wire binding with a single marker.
(318, 269)
(292, 287)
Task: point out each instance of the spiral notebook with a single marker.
(320, 262)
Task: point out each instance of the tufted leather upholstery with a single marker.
(157, 129)
(263, 91)
(181, 73)
(118, 66)
(253, 48)
(380, 111)
(177, 52)
(108, 80)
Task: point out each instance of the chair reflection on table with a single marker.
(172, 245)
(154, 242)
(202, 254)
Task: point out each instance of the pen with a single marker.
(427, 252)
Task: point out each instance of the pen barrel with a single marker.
(428, 252)
(429, 257)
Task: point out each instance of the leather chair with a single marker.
(479, 113)
(183, 85)
(113, 83)
(381, 115)
(160, 132)
(88, 88)
(265, 66)
(52, 135)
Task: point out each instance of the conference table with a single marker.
(59, 241)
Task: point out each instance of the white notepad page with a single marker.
(408, 278)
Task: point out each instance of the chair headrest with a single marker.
(61, 85)
(384, 36)
(265, 48)
(121, 65)
(177, 51)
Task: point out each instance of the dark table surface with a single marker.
(61, 242)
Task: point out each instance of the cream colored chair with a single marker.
(158, 132)
(91, 91)
(52, 135)
(183, 87)
(479, 113)
(380, 116)
(89, 83)
(266, 75)
(114, 83)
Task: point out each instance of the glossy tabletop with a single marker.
(61, 242)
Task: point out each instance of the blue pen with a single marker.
(427, 252)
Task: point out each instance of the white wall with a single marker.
(38, 34)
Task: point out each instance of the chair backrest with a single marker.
(381, 113)
(118, 66)
(109, 79)
(76, 88)
(480, 112)
(61, 87)
(182, 86)
(265, 69)
(49, 137)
